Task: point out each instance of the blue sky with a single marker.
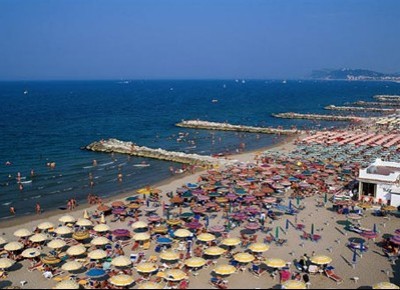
(190, 39)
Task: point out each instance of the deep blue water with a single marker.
(55, 119)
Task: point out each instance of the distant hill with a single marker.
(353, 74)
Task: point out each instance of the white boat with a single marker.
(214, 101)
(141, 165)
(25, 92)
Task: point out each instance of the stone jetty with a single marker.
(360, 109)
(291, 115)
(387, 98)
(122, 147)
(379, 104)
(197, 124)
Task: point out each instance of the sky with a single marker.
(195, 39)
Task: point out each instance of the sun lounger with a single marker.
(331, 274)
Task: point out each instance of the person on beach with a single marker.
(69, 205)
(12, 210)
(38, 208)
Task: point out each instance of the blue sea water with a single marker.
(54, 119)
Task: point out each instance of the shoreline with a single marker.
(24, 219)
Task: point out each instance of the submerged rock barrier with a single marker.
(122, 147)
(291, 115)
(197, 124)
(361, 109)
(387, 98)
(382, 104)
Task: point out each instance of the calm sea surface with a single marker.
(54, 119)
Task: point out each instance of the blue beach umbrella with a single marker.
(164, 241)
(95, 273)
(132, 198)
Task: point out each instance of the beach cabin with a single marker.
(380, 183)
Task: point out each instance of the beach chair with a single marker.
(134, 258)
(153, 259)
(315, 238)
(280, 242)
(305, 236)
(146, 245)
(256, 270)
(331, 274)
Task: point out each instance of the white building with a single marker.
(380, 182)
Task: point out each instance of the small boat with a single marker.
(141, 165)
(214, 101)
(26, 182)
(25, 92)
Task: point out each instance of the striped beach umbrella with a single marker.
(395, 239)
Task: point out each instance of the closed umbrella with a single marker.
(277, 233)
(312, 229)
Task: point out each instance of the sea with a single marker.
(50, 121)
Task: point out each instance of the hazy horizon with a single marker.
(195, 40)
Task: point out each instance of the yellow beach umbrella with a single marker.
(45, 226)
(102, 219)
(139, 225)
(206, 237)
(146, 267)
(81, 235)
(76, 250)
(84, 223)
(275, 263)
(63, 230)
(294, 284)
(231, 242)
(50, 260)
(214, 251)
(160, 230)
(121, 261)
(174, 222)
(101, 228)
(56, 244)
(141, 237)
(144, 190)
(182, 233)
(150, 285)
(85, 214)
(30, 253)
(2, 241)
(389, 208)
(258, 247)
(97, 255)
(195, 262)
(175, 275)
(67, 284)
(6, 263)
(67, 219)
(385, 285)
(72, 266)
(100, 241)
(169, 256)
(22, 233)
(243, 257)
(121, 280)
(38, 238)
(13, 246)
(321, 260)
(224, 270)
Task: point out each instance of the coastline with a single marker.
(244, 156)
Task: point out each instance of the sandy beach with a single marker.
(371, 268)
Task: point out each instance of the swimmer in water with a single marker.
(21, 187)
(8, 163)
(12, 210)
(94, 162)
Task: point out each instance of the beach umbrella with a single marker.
(169, 256)
(154, 218)
(63, 230)
(290, 204)
(101, 228)
(147, 267)
(97, 254)
(354, 260)
(95, 273)
(141, 237)
(217, 229)
(38, 238)
(150, 285)
(182, 233)
(76, 250)
(84, 223)
(2, 241)
(66, 219)
(275, 263)
(354, 216)
(287, 224)
(389, 208)
(174, 222)
(394, 240)
(164, 241)
(206, 237)
(56, 244)
(121, 261)
(224, 270)
(22, 233)
(71, 266)
(103, 208)
(102, 219)
(277, 233)
(294, 284)
(30, 253)
(45, 226)
(175, 275)
(85, 214)
(325, 198)
(50, 260)
(67, 284)
(243, 257)
(258, 247)
(312, 229)
(385, 285)
(321, 260)
(231, 241)
(6, 263)
(121, 233)
(144, 190)
(214, 251)
(195, 262)
(160, 230)
(194, 225)
(139, 225)
(252, 226)
(118, 203)
(13, 246)
(397, 232)
(100, 241)
(81, 235)
(375, 230)
(121, 280)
